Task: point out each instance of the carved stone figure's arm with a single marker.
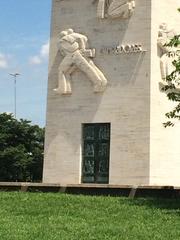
(81, 39)
(68, 44)
(162, 42)
(68, 38)
(62, 52)
(82, 43)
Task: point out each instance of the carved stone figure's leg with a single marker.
(101, 9)
(169, 63)
(68, 79)
(120, 8)
(164, 67)
(129, 10)
(87, 68)
(132, 5)
(64, 85)
(101, 75)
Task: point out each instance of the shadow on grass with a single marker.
(166, 199)
(169, 206)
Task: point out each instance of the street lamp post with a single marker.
(14, 75)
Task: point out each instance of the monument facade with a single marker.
(105, 109)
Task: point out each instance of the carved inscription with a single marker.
(129, 48)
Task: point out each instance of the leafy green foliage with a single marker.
(21, 149)
(173, 83)
(42, 216)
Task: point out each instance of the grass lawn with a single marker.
(42, 216)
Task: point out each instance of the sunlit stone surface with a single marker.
(127, 56)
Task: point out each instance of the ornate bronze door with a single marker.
(96, 148)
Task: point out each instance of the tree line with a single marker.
(21, 150)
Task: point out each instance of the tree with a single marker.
(21, 149)
(172, 88)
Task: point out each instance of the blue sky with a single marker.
(25, 29)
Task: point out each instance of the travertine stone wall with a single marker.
(164, 143)
(125, 103)
(142, 152)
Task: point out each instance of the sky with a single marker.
(24, 48)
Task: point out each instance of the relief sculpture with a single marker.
(169, 54)
(115, 8)
(76, 55)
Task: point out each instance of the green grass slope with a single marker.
(41, 216)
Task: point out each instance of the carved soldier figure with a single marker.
(72, 47)
(116, 8)
(169, 54)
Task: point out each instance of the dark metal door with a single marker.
(96, 148)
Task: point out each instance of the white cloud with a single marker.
(45, 50)
(43, 55)
(35, 60)
(3, 61)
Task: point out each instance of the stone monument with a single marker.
(105, 109)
